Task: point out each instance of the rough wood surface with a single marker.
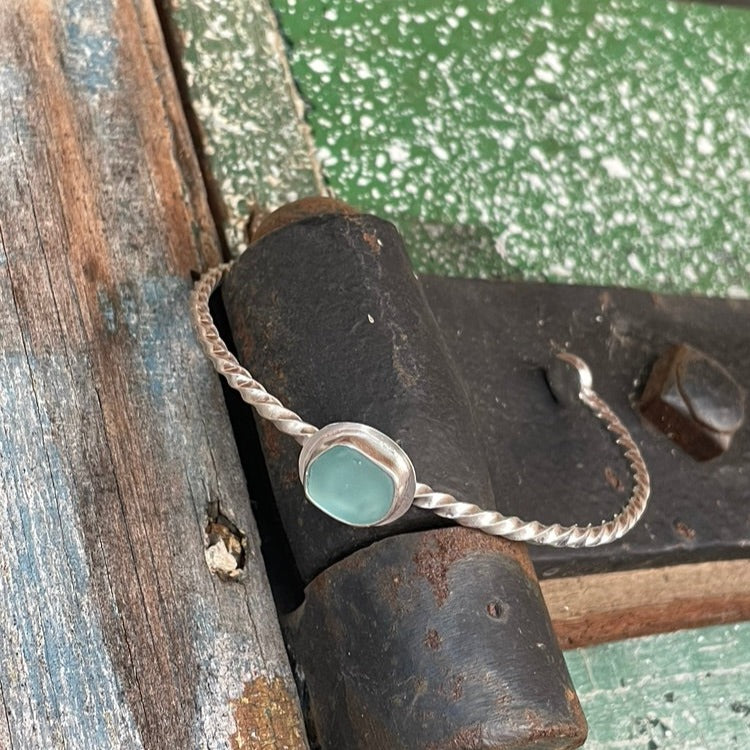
(610, 606)
(249, 115)
(114, 444)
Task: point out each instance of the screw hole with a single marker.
(495, 610)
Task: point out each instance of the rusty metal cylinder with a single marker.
(412, 635)
(327, 313)
(435, 640)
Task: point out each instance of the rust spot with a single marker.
(272, 440)
(289, 478)
(457, 689)
(299, 210)
(683, 530)
(266, 717)
(453, 687)
(257, 216)
(576, 712)
(432, 564)
(390, 581)
(372, 242)
(442, 548)
(432, 639)
(613, 480)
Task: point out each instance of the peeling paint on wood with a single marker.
(249, 112)
(563, 140)
(114, 441)
(266, 719)
(677, 691)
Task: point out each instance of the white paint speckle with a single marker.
(552, 61)
(635, 263)
(704, 146)
(545, 75)
(709, 84)
(398, 152)
(320, 66)
(615, 168)
(440, 152)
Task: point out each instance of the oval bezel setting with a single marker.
(376, 447)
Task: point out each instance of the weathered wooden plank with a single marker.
(676, 691)
(610, 606)
(113, 440)
(248, 110)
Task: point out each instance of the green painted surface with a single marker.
(688, 690)
(258, 149)
(570, 140)
(347, 485)
(680, 691)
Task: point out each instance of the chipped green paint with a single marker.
(594, 142)
(679, 691)
(249, 112)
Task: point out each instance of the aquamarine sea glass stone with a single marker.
(348, 486)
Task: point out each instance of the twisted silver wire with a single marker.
(441, 503)
(226, 364)
(556, 535)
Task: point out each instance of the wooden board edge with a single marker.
(603, 607)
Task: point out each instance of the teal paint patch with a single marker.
(677, 691)
(55, 655)
(90, 45)
(602, 143)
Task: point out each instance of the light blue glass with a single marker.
(348, 486)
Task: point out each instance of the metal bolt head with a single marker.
(693, 400)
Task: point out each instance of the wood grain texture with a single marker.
(609, 606)
(113, 436)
